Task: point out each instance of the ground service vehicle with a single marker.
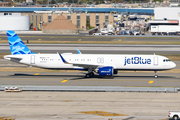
(175, 115)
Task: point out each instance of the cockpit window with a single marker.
(166, 60)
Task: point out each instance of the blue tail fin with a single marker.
(16, 44)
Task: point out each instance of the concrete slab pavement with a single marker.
(68, 105)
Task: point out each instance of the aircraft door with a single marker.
(32, 59)
(155, 60)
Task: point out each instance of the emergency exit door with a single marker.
(32, 59)
(155, 60)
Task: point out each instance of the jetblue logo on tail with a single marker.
(136, 60)
(18, 48)
(16, 44)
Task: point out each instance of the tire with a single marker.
(175, 117)
(87, 75)
(91, 74)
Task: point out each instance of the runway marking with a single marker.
(79, 39)
(64, 81)
(39, 39)
(36, 73)
(119, 39)
(102, 113)
(150, 82)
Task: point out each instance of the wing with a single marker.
(84, 65)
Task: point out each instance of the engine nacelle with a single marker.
(106, 71)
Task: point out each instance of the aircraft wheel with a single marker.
(156, 76)
(91, 74)
(87, 75)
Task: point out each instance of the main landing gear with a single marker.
(90, 74)
(156, 76)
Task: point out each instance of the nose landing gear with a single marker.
(156, 76)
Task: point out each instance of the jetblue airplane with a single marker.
(102, 64)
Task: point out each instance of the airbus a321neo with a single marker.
(102, 64)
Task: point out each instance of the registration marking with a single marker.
(150, 82)
(64, 81)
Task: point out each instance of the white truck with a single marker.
(174, 115)
(104, 31)
(165, 29)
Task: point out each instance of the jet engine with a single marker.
(106, 71)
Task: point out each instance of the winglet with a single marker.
(79, 51)
(64, 61)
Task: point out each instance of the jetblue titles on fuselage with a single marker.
(137, 60)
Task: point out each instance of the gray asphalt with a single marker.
(77, 79)
(64, 105)
(99, 48)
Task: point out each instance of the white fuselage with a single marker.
(119, 62)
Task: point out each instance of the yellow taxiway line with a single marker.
(64, 81)
(150, 82)
(36, 73)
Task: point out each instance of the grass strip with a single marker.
(99, 42)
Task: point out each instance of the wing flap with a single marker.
(85, 65)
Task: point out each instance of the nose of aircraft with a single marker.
(173, 65)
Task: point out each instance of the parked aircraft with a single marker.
(102, 64)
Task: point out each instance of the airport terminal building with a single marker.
(81, 17)
(81, 20)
